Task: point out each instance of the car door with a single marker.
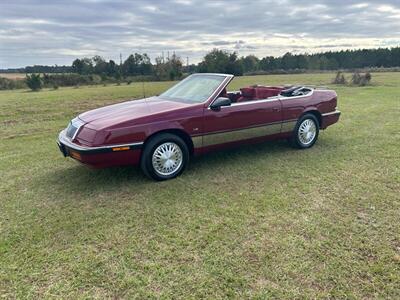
(241, 122)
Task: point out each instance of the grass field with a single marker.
(265, 221)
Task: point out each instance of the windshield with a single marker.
(196, 88)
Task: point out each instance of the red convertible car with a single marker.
(196, 116)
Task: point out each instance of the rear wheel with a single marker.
(165, 156)
(306, 132)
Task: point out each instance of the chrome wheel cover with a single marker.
(167, 158)
(307, 131)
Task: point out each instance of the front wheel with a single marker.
(306, 132)
(164, 157)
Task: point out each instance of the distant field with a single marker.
(265, 221)
(13, 75)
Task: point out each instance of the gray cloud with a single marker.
(56, 32)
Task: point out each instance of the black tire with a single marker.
(146, 162)
(296, 141)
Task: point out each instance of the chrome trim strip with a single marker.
(241, 134)
(197, 141)
(248, 127)
(212, 74)
(274, 98)
(226, 136)
(64, 140)
(331, 113)
(270, 99)
(288, 126)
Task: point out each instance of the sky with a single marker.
(52, 32)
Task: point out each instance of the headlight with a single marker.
(73, 128)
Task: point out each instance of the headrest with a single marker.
(248, 92)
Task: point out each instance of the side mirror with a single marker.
(221, 101)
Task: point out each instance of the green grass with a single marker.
(254, 222)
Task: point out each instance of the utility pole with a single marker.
(120, 67)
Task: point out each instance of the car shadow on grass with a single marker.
(77, 175)
(79, 179)
(247, 153)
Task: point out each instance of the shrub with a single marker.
(34, 82)
(103, 77)
(49, 80)
(96, 79)
(355, 78)
(361, 79)
(368, 76)
(339, 79)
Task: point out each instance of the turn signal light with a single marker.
(75, 155)
(120, 148)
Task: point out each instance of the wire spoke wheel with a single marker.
(167, 158)
(307, 131)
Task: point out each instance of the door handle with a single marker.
(276, 109)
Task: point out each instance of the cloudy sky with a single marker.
(57, 31)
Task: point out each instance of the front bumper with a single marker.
(104, 156)
(62, 148)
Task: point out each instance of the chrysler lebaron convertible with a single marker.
(196, 116)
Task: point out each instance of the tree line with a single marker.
(221, 61)
(345, 59)
(135, 65)
(139, 67)
(139, 64)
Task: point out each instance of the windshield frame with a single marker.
(214, 94)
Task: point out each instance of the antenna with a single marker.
(120, 59)
(144, 92)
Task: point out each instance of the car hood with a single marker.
(128, 111)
